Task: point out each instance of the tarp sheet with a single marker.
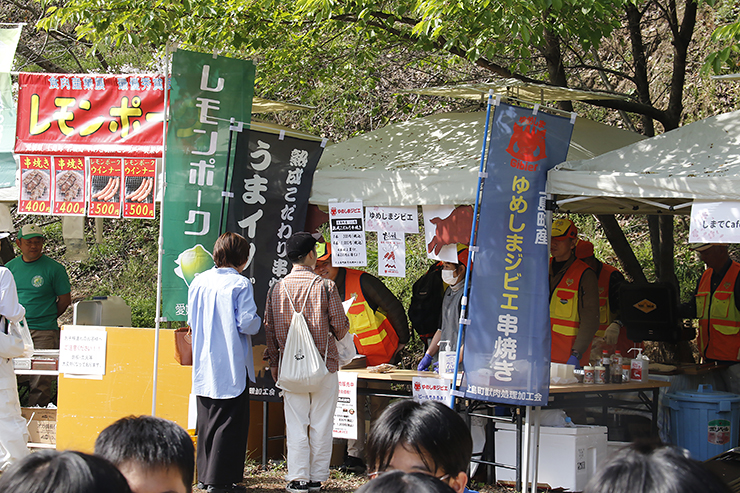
(662, 174)
(429, 160)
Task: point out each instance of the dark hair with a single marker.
(436, 432)
(403, 482)
(645, 467)
(151, 443)
(48, 471)
(230, 249)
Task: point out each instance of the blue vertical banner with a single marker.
(507, 341)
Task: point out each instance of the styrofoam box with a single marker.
(568, 456)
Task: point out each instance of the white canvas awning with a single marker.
(663, 174)
(429, 160)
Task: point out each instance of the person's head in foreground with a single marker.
(403, 482)
(563, 240)
(426, 437)
(48, 471)
(154, 454)
(651, 468)
(231, 250)
(454, 273)
(301, 249)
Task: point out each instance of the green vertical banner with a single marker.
(9, 36)
(206, 92)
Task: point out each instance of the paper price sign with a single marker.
(105, 187)
(139, 187)
(35, 190)
(69, 186)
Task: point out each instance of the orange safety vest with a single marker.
(564, 317)
(719, 318)
(375, 336)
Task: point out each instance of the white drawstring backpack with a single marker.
(301, 367)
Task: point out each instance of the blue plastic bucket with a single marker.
(704, 421)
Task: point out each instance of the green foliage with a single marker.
(727, 56)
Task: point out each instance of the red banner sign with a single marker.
(35, 185)
(68, 114)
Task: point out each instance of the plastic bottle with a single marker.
(588, 374)
(606, 362)
(639, 366)
(625, 372)
(569, 422)
(616, 367)
(446, 360)
(599, 374)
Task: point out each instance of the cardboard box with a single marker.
(42, 424)
(568, 456)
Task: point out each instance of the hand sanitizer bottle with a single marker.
(446, 360)
(639, 366)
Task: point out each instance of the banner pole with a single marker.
(221, 217)
(471, 243)
(160, 240)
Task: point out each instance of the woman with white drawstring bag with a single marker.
(15, 341)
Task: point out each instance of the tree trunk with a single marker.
(621, 247)
(555, 68)
(642, 83)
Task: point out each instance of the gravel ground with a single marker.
(271, 479)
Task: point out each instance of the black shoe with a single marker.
(224, 488)
(353, 465)
(314, 486)
(297, 487)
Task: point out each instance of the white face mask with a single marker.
(449, 277)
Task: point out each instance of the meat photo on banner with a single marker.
(69, 186)
(270, 185)
(105, 187)
(35, 185)
(139, 187)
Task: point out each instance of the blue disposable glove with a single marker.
(435, 367)
(425, 362)
(574, 361)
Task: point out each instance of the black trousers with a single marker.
(223, 426)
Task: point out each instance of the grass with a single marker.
(271, 478)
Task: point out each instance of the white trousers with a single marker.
(13, 430)
(309, 419)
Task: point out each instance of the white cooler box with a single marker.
(568, 456)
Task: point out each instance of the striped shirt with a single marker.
(320, 319)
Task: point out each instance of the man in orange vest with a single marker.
(611, 329)
(717, 305)
(574, 298)
(380, 327)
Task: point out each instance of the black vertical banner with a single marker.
(270, 185)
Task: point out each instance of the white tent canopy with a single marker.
(663, 174)
(429, 160)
